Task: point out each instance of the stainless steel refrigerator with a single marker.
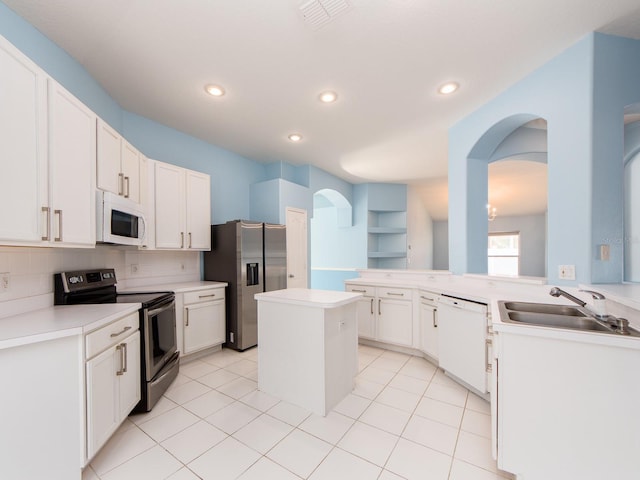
(252, 258)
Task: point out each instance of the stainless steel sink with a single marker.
(559, 321)
(546, 308)
(560, 316)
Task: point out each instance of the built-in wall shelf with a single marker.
(387, 238)
(387, 230)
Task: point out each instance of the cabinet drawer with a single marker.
(396, 293)
(204, 295)
(111, 334)
(365, 290)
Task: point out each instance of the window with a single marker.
(504, 254)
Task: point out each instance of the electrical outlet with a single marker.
(5, 282)
(605, 252)
(567, 272)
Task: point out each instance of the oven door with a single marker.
(159, 331)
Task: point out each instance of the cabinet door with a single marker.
(102, 398)
(366, 317)
(129, 381)
(429, 329)
(198, 212)
(204, 325)
(108, 174)
(395, 322)
(23, 192)
(170, 206)
(72, 160)
(130, 160)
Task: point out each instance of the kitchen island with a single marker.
(308, 342)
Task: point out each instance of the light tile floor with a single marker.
(404, 419)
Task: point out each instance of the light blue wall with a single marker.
(580, 154)
(231, 175)
(616, 85)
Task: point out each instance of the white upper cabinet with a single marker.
(118, 163)
(198, 214)
(23, 155)
(182, 208)
(72, 159)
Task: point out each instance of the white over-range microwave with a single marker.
(119, 220)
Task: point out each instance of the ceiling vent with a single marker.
(317, 13)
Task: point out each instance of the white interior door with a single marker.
(297, 270)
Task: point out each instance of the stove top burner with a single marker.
(99, 286)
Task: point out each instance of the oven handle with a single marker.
(162, 308)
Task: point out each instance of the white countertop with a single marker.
(179, 287)
(309, 298)
(59, 321)
(491, 290)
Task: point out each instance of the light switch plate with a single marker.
(567, 272)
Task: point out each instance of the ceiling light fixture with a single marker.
(214, 90)
(328, 97)
(492, 212)
(295, 137)
(448, 88)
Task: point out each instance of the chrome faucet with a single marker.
(556, 292)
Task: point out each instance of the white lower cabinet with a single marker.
(113, 379)
(566, 408)
(385, 314)
(428, 323)
(203, 319)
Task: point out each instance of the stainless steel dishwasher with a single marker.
(462, 340)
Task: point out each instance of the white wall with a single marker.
(533, 235)
(31, 270)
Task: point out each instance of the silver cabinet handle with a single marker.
(395, 294)
(207, 296)
(379, 311)
(426, 298)
(181, 239)
(126, 179)
(121, 369)
(47, 211)
(435, 323)
(186, 317)
(120, 183)
(357, 290)
(124, 363)
(189, 239)
(372, 306)
(121, 332)
(488, 367)
(59, 237)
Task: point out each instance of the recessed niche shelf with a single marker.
(387, 243)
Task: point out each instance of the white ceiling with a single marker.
(384, 58)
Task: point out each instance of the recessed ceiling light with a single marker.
(328, 97)
(214, 90)
(295, 137)
(448, 88)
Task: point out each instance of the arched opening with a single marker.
(333, 256)
(508, 176)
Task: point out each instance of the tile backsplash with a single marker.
(29, 271)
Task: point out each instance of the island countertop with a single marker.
(309, 297)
